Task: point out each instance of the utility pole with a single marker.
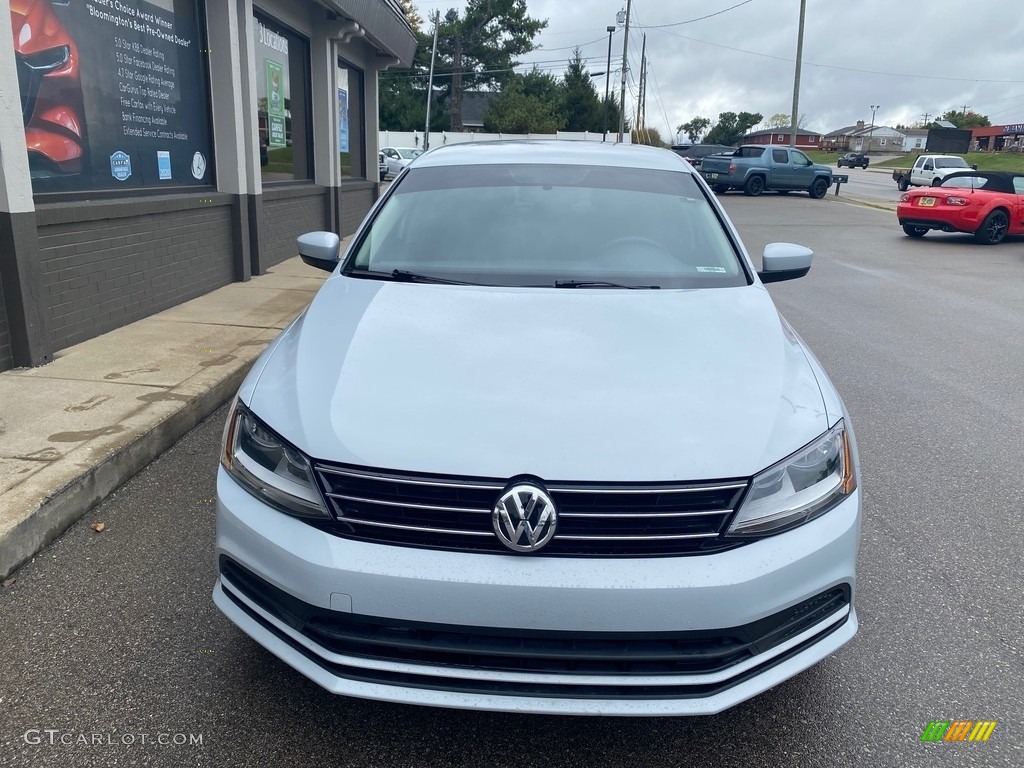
(607, 81)
(925, 116)
(642, 107)
(796, 77)
(430, 82)
(871, 131)
(622, 89)
(964, 113)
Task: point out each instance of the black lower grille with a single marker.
(617, 654)
(594, 520)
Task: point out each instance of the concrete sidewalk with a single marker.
(73, 431)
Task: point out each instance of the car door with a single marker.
(782, 175)
(393, 160)
(925, 174)
(802, 169)
(1017, 214)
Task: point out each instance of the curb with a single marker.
(75, 500)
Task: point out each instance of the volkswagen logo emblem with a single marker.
(524, 518)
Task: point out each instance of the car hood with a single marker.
(574, 384)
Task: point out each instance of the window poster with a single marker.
(113, 93)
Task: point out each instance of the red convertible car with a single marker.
(987, 204)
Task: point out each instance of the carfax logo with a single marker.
(120, 166)
(959, 730)
(163, 164)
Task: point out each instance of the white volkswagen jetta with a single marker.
(542, 443)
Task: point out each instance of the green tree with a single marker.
(516, 111)
(695, 128)
(412, 14)
(580, 102)
(649, 136)
(403, 92)
(613, 114)
(731, 128)
(960, 119)
(477, 48)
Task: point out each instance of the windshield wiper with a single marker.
(403, 276)
(413, 277)
(600, 284)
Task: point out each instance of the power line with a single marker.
(699, 18)
(657, 88)
(844, 69)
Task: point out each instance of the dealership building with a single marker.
(165, 148)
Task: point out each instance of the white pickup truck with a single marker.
(929, 171)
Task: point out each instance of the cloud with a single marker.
(911, 57)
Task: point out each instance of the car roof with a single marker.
(1003, 180)
(553, 152)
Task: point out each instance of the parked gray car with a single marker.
(542, 443)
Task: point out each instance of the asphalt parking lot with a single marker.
(114, 634)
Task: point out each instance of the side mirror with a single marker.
(975, 166)
(784, 261)
(320, 249)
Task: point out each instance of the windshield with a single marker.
(541, 224)
(409, 154)
(951, 162)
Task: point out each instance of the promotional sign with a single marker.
(342, 120)
(275, 102)
(113, 92)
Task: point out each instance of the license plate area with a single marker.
(711, 176)
(927, 202)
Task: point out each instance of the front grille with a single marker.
(612, 654)
(605, 520)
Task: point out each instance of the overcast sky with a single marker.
(908, 56)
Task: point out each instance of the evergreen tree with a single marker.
(580, 102)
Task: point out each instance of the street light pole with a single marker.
(607, 81)
(871, 130)
(622, 90)
(796, 78)
(430, 82)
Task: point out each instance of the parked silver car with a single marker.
(396, 158)
(542, 443)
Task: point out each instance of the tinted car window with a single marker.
(780, 156)
(951, 162)
(535, 224)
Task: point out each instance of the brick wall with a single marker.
(106, 265)
(288, 213)
(354, 206)
(5, 336)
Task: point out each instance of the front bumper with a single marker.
(416, 593)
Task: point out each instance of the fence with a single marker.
(437, 138)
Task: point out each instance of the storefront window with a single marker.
(282, 102)
(351, 147)
(114, 95)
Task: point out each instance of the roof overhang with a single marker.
(381, 23)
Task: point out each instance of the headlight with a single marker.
(268, 467)
(799, 488)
